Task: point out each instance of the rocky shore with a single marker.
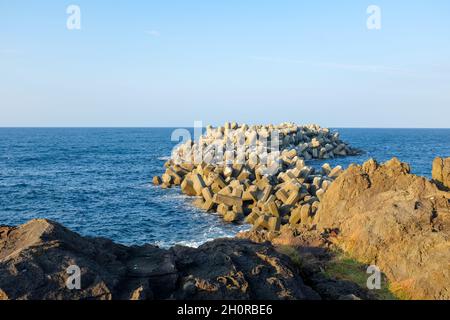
(35, 257)
(377, 214)
(303, 219)
(381, 214)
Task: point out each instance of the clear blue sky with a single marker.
(168, 63)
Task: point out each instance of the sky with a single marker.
(170, 63)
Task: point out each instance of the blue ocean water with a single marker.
(98, 181)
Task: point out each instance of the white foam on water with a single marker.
(176, 196)
(182, 202)
(146, 186)
(214, 232)
(192, 244)
(164, 158)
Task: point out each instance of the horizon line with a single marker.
(172, 127)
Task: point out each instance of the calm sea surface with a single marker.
(98, 181)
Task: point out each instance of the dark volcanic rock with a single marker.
(34, 258)
(312, 253)
(238, 269)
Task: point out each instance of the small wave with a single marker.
(191, 244)
(164, 158)
(212, 233)
(145, 186)
(188, 243)
(176, 196)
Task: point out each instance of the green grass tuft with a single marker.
(343, 267)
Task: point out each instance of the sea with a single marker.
(97, 181)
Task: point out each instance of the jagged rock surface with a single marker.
(441, 172)
(34, 258)
(384, 215)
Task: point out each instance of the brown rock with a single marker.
(175, 176)
(222, 209)
(441, 172)
(252, 217)
(266, 193)
(335, 172)
(282, 195)
(294, 197)
(167, 179)
(228, 200)
(250, 195)
(3, 295)
(187, 187)
(274, 224)
(400, 222)
(262, 222)
(207, 194)
(232, 216)
(295, 216)
(320, 193)
(157, 180)
(238, 209)
(208, 205)
(272, 208)
(198, 183)
(305, 213)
